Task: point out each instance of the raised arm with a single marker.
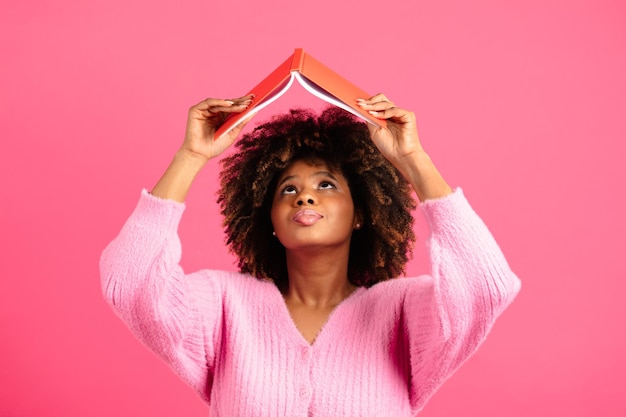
(450, 312)
(400, 144)
(175, 315)
(199, 145)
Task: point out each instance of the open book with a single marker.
(315, 77)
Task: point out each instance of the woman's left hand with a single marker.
(400, 145)
(399, 141)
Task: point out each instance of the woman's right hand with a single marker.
(200, 144)
(205, 118)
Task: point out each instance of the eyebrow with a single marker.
(315, 174)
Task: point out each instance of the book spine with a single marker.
(298, 60)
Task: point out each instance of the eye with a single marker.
(289, 189)
(326, 185)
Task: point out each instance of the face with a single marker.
(313, 207)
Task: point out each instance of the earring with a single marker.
(273, 233)
(357, 226)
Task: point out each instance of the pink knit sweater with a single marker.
(383, 351)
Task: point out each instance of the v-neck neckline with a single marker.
(290, 329)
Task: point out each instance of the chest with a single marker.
(359, 374)
(347, 361)
(308, 321)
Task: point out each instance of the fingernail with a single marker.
(373, 113)
(230, 102)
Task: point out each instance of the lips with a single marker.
(307, 217)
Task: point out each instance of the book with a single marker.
(315, 77)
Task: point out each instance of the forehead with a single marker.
(305, 167)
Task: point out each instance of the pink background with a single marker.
(522, 103)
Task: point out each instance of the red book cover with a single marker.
(315, 77)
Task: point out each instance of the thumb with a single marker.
(239, 126)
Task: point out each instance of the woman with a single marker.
(318, 212)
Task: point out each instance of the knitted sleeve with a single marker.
(450, 312)
(174, 314)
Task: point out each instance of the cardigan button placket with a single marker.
(304, 393)
(305, 353)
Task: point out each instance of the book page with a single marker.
(320, 93)
(232, 120)
(273, 96)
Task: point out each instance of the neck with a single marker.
(318, 278)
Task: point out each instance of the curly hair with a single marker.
(378, 251)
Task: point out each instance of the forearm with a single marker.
(426, 180)
(147, 239)
(180, 174)
(143, 282)
(472, 284)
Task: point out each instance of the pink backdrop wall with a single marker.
(522, 103)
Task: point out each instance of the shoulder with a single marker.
(231, 284)
(392, 294)
(398, 287)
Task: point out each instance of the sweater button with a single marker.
(304, 393)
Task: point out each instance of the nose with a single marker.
(301, 200)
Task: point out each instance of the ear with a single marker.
(358, 220)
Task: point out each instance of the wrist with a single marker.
(193, 160)
(180, 174)
(424, 177)
(416, 165)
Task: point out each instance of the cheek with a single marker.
(345, 212)
(347, 209)
(276, 213)
(273, 220)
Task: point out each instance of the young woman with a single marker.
(315, 323)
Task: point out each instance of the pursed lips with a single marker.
(306, 217)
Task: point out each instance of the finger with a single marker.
(236, 104)
(379, 102)
(234, 108)
(222, 110)
(378, 98)
(248, 97)
(375, 99)
(394, 113)
(216, 105)
(377, 106)
(232, 105)
(212, 102)
(210, 113)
